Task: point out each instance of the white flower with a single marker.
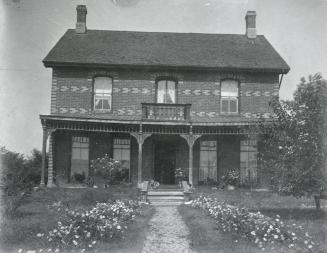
(276, 236)
(305, 242)
(30, 251)
(75, 243)
(57, 250)
(88, 234)
(20, 250)
(94, 242)
(39, 235)
(291, 245)
(253, 233)
(309, 246)
(118, 227)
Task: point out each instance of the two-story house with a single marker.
(158, 101)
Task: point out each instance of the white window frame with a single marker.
(103, 95)
(229, 98)
(166, 80)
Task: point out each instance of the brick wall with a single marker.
(72, 93)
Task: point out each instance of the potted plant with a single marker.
(231, 178)
(180, 176)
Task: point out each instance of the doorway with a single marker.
(165, 161)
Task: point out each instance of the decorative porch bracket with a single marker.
(46, 133)
(190, 139)
(140, 138)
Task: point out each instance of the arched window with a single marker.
(166, 91)
(229, 97)
(102, 90)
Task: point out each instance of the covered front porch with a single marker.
(149, 150)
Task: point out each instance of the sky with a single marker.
(29, 29)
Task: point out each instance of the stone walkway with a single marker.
(167, 232)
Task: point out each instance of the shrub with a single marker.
(262, 230)
(83, 229)
(19, 175)
(79, 178)
(232, 177)
(109, 169)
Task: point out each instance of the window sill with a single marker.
(102, 111)
(230, 113)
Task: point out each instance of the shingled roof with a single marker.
(161, 49)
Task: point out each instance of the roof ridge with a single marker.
(130, 31)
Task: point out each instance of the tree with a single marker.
(18, 176)
(293, 146)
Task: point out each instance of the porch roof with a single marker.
(152, 127)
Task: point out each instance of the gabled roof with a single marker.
(161, 49)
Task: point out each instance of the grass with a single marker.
(34, 216)
(300, 211)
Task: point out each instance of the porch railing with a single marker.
(173, 112)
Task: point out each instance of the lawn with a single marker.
(41, 211)
(291, 210)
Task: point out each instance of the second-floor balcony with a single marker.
(173, 112)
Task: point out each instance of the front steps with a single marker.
(166, 197)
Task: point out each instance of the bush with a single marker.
(19, 175)
(109, 169)
(232, 177)
(83, 229)
(262, 230)
(79, 178)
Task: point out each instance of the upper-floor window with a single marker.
(102, 93)
(166, 91)
(229, 96)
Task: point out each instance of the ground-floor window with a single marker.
(80, 157)
(248, 161)
(122, 152)
(208, 161)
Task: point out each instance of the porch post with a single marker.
(50, 162)
(139, 166)
(44, 152)
(190, 164)
(140, 138)
(190, 139)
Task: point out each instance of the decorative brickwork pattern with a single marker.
(72, 93)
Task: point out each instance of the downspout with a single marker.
(280, 81)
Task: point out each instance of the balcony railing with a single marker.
(173, 112)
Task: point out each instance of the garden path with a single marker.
(167, 232)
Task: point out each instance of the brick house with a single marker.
(158, 101)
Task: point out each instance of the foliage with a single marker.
(109, 169)
(180, 174)
(293, 147)
(154, 184)
(258, 228)
(79, 178)
(83, 229)
(19, 175)
(232, 177)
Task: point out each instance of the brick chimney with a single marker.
(81, 19)
(251, 31)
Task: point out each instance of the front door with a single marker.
(165, 159)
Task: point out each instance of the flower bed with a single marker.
(80, 230)
(264, 231)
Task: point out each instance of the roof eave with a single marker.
(51, 64)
